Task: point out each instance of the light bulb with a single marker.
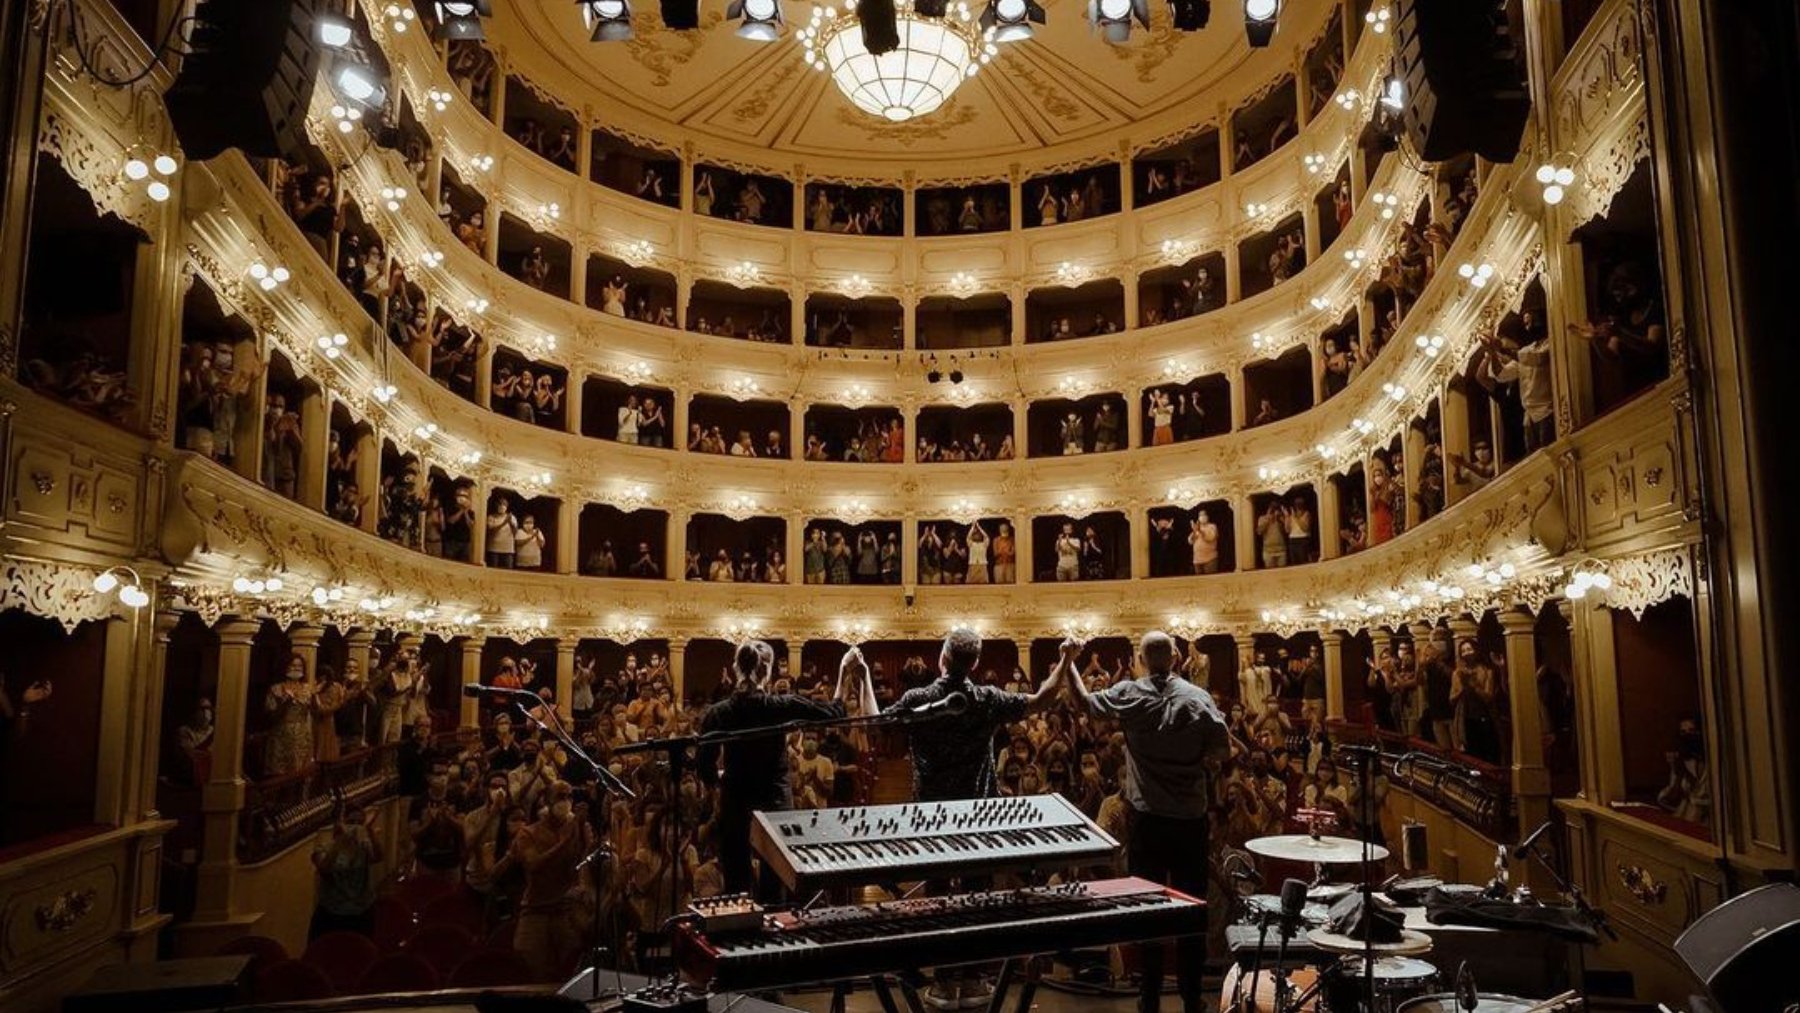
(1553, 195)
(133, 596)
(1546, 173)
(164, 165)
(105, 582)
(158, 190)
(136, 168)
(1565, 176)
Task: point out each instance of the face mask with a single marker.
(296, 673)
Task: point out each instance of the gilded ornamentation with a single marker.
(65, 594)
(44, 482)
(1639, 582)
(1051, 98)
(936, 127)
(1642, 885)
(663, 52)
(1145, 57)
(65, 910)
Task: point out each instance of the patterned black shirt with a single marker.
(953, 755)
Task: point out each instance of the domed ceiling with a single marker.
(1063, 96)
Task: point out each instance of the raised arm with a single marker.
(1074, 681)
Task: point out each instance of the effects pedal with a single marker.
(727, 913)
(664, 997)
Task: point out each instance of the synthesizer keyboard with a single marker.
(814, 848)
(835, 943)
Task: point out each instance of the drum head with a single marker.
(1486, 1002)
(1395, 970)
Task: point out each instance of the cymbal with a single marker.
(1410, 942)
(1306, 848)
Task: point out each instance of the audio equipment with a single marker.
(1463, 78)
(1745, 949)
(814, 848)
(248, 79)
(835, 943)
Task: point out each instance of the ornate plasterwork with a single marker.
(53, 591)
(1607, 172)
(1641, 581)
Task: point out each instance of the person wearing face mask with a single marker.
(1688, 793)
(289, 704)
(548, 851)
(194, 739)
(481, 834)
(1175, 738)
(356, 714)
(344, 864)
(1475, 697)
(752, 774)
(437, 835)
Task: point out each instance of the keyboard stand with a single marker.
(884, 993)
(1026, 978)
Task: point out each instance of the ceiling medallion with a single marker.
(934, 55)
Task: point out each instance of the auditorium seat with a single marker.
(343, 956)
(291, 981)
(393, 923)
(462, 907)
(399, 972)
(442, 946)
(262, 951)
(491, 968)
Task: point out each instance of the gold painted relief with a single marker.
(935, 127)
(1145, 58)
(661, 50)
(1052, 100)
(755, 105)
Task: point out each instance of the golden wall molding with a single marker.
(51, 591)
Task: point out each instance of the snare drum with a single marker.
(1486, 1002)
(1397, 980)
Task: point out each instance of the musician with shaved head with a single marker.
(1174, 737)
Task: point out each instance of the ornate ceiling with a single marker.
(1063, 97)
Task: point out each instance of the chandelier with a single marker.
(935, 54)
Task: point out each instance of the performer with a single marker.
(953, 758)
(756, 770)
(1173, 734)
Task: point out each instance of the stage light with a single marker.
(1190, 15)
(334, 31)
(358, 82)
(1393, 93)
(1260, 20)
(1011, 20)
(762, 20)
(610, 19)
(956, 376)
(461, 19)
(1113, 18)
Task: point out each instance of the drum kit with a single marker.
(1360, 965)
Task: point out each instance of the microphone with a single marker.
(955, 703)
(1293, 901)
(1524, 847)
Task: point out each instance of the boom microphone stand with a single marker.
(529, 704)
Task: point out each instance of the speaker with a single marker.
(248, 80)
(1464, 76)
(1746, 949)
(1413, 847)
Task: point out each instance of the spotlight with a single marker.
(1260, 18)
(610, 19)
(461, 19)
(956, 376)
(355, 81)
(762, 21)
(1190, 15)
(880, 26)
(1011, 20)
(334, 31)
(1393, 93)
(1112, 18)
(934, 376)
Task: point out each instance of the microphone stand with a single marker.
(676, 747)
(602, 776)
(1593, 915)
